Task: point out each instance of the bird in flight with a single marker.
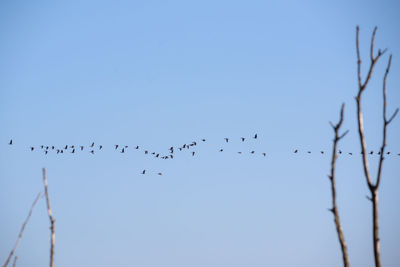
(264, 154)
(322, 152)
(372, 152)
(255, 136)
(137, 147)
(193, 153)
(350, 153)
(92, 151)
(309, 152)
(340, 151)
(123, 150)
(73, 150)
(116, 146)
(66, 147)
(296, 151)
(226, 139)
(92, 145)
(100, 147)
(203, 140)
(144, 171)
(252, 152)
(10, 143)
(81, 148)
(159, 173)
(239, 152)
(221, 150)
(243, 139)
(32, 148)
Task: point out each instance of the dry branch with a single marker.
(22, 231)
(373, 187)
(334, 208)
(52, 221)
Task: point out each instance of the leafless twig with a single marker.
(15, 261)
(373, 187)
(52, 221)
(22, 231)
(334, 208)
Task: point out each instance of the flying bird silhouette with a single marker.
(255, 136)
(296, 151)
(221, 150)
(100, 147)
(137, 147)
(10, 143)
(243, 139)
(92, 145)
(226, 139)
(144, 171)
(193, 153)
(81, 148)
(264, 154)
(203, 140)
(159, 173)
(73, 150)
(32, 148)
(92, 151)
(116, 146)
(66, 147)
(252, 152)
(123, 150)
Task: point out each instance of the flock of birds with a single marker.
(94, 148)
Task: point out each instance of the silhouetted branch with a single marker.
(15, 261)
(334, 208)
(22, 231)
(52, 221)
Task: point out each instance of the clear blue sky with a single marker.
(163, 73)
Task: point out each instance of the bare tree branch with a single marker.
(15, 261)
(372, 187)
(52, 221)
(22, 231)
(385, 124)
(334, 208)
